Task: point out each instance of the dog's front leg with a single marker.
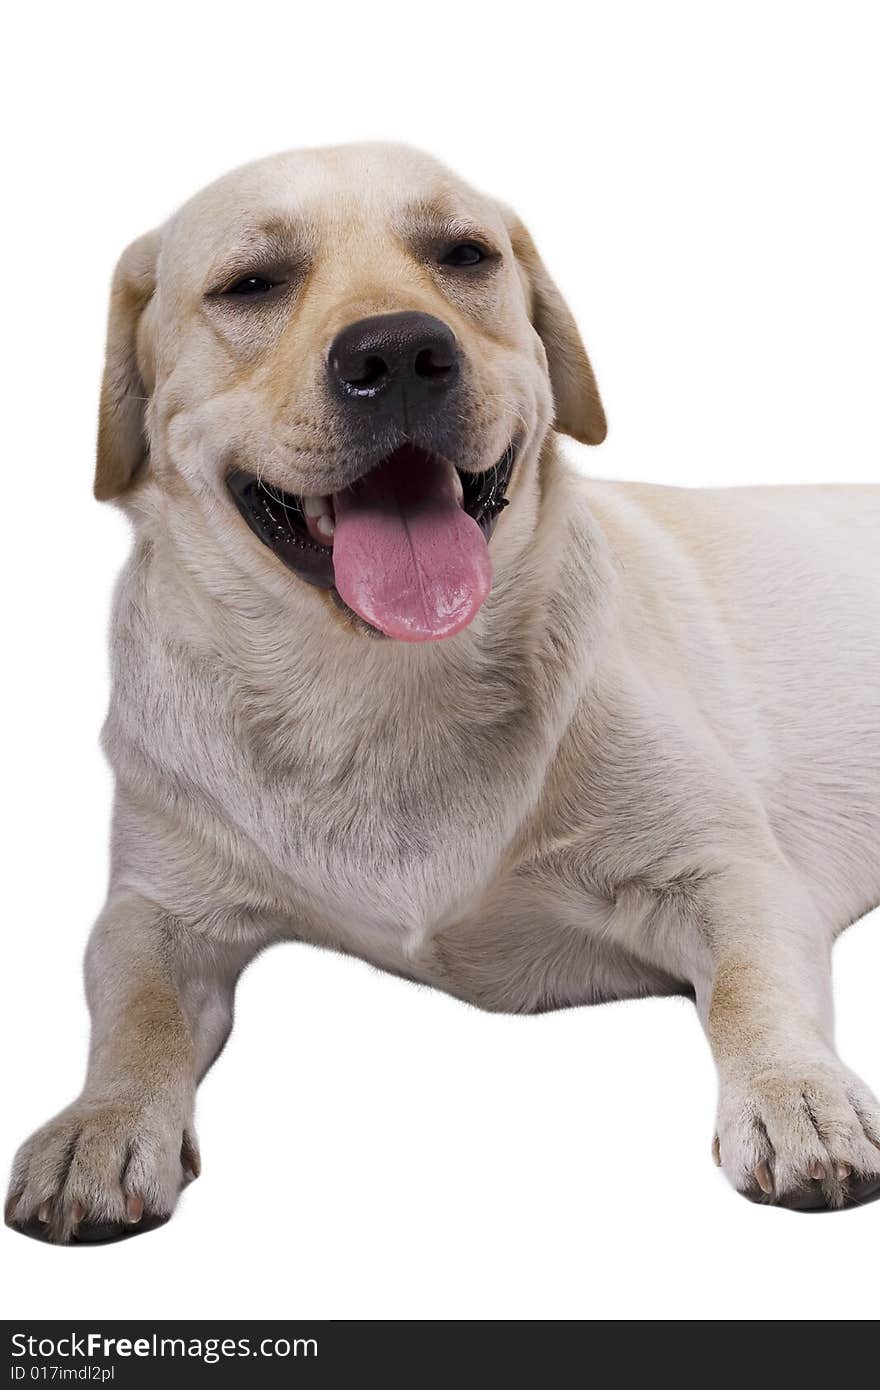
(795, 1126)
(115, 1160)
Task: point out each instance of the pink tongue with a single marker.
(406, 556)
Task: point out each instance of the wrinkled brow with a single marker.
(269, 244)
(440, 219)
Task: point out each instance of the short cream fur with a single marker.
(650, 765)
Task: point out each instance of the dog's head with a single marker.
(357, 357)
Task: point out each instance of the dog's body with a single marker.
(680, 661)
(650, 762)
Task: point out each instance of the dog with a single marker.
(389, 677)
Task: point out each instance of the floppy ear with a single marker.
(579, 409)
(122, 444)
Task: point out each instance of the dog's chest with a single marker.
(365, 830)
(392, 838)
(366, 804)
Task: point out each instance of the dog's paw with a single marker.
(99, 1171)
(806, 1138)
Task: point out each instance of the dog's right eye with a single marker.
(251, 285)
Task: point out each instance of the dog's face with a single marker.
(347, 361)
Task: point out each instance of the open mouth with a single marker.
(405, 546)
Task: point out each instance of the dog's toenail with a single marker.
(817, 1169)
(134, 1208)
(77, 1213)
(764, 1177)
(11, 1206)
(44, 1212)
(843, 1171)
(716, 1151)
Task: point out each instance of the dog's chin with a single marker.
(303, 541)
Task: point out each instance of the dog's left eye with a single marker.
(251, 285)
(465, 253)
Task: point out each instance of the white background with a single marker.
(702, 179)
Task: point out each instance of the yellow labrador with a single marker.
(389, 677)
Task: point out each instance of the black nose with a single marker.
(413, 352)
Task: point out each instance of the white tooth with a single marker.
(317, 506)
(456, 483)
(326, 525)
